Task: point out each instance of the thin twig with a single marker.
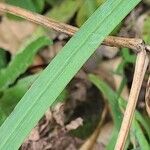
(140, 69)
(132, 43)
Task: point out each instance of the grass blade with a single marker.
(136, 129)
(116, 104)
(63, 13)
(61, 70)
(12, 95)
(143, 122)
(112, 98)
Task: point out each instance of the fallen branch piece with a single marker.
(140, 69)
(132, 43)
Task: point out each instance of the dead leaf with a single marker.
(34, 135)
(58, 114)
(13, 33)
(74, 124)
(107, 51)
(48, 118)
(140, 24)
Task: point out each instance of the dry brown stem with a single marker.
(140, 69)
(132, 43)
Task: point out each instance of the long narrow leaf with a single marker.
(22, 60)
(61, 70)
(136, 129)
(112, 98)
(116, 104)
(12, 95)
(63, 13)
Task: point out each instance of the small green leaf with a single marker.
(3, 58)
(54, 2)
(137, 131)
(146, 31)
(116, 104)
(11, 96)
(22, 60)
(63, 13)
(39, 5)
(86, 10)
(129, 58)
(143, 122)
(111, 97)
(33, 5)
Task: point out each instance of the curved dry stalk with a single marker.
(132, 43)
(140, 69)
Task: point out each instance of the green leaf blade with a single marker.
(63, 13)
(22, 61)
(111, 97)
(61, 70)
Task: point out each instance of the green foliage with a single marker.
(146, 31)
(54, 2)
(139, 136)
(127, 58)
(3, 59)
(87, 7)
(65, 11)
(12, 95)
(88, 127)
(64, 66)
(115, 110)
(116, 105)
(85, 11)
(3, 116)
(145, 124)
(22, 60)
(33, 5)
(111, 96)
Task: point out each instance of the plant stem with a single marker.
(131, 43)
(140, 69)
